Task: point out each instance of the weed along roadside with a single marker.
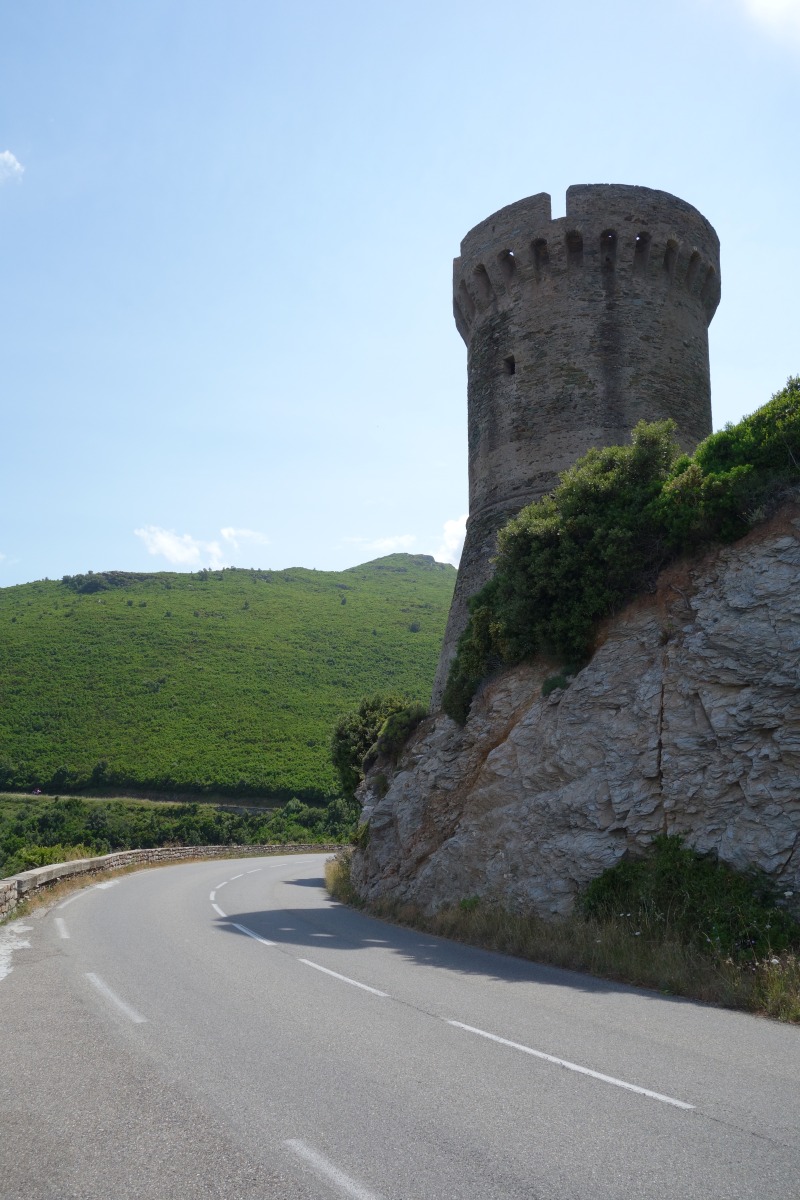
(675, 921)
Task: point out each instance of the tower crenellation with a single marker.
(576, 329)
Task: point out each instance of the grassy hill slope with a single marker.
(225, 681)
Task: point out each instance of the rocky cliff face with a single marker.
(686, 720)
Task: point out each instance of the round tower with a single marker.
(575, 330)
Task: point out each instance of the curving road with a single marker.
(223, 1029)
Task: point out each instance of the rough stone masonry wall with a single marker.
(686, 720)
(575, 329)
(17, 888)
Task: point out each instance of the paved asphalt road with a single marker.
(222, 1029)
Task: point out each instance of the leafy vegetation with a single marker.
(615, 520)
(377, 725)
(660, 922)
(213, 683)
(697, 899)
(394, 733)
(35, 831)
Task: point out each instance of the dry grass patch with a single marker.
(643, 952)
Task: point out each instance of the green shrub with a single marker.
(613, 522)
(28, 857)
(394, 733)
(696, 899)
(35, 831)
(356, 732)
(553, 682)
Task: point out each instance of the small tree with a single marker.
(356, 733)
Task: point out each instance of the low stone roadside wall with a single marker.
(19, 887)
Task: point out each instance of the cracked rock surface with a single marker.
(686, 720)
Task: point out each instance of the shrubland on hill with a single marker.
(214, 682)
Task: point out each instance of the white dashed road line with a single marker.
(344, 978)
(307, 961)
(255, 936)
(327, 1170)
(61, 926)
(570, 1066)
(106, 991)
(310, 1154)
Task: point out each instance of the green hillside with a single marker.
(213, 682)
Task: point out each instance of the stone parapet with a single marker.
(17, 888)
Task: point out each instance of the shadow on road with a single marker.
(337, 927)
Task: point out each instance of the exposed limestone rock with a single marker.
(686, 720)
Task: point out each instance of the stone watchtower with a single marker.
(575, 329)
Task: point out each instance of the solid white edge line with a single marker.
(255, 936)
(217, 909)
(328, 1170)
(61, 926)
(106, 991)
(570, 1066)
(71, 899)
(344, 978)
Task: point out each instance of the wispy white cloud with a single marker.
(10, 167)
(185, 550)
(181, 549)
(453, 534)
(781, 18)
(251, 537)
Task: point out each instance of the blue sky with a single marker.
(226, 242)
